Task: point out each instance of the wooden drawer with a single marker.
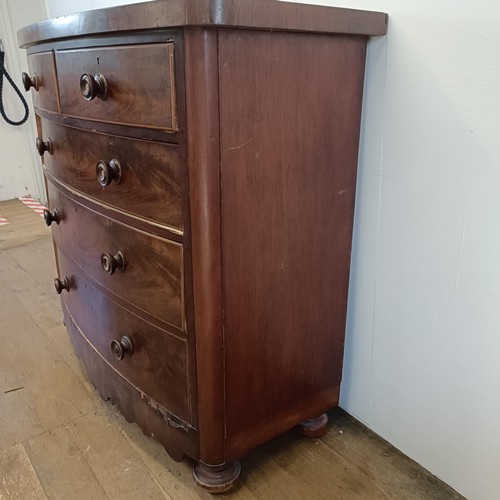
(150, 182)
(152, 278)
(163, 378)
(140, 84)
(43, 67)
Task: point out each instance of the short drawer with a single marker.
(145, 271)
(135, 85)
(42, 71)
(142, 177)
(157, 362)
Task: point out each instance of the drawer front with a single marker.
(42, 66)
(140, 84)
(149, 180)
(152, 276)
(157, 365)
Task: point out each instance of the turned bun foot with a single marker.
(315, 427)
(217, 479)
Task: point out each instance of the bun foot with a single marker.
(217, 479)
(315, 427)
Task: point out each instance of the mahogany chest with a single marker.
(200, 162)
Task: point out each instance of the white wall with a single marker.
(20, 172)
(423, 338)
(63, 7)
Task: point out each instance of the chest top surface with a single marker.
(250, 14)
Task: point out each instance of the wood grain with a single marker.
(150, 184)
(163, 378)
(204, 185)
(115, 129)
(152, 279)
(379, 461)
(136, 76)
(18, 480)
(288, 174)
(61, 468)
(256, 14)
(113, 460)
(43, 65)
(44, 394)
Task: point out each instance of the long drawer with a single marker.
(42, 70)
(139, 177)
(143, 270)
(163, 378)
(134, 84)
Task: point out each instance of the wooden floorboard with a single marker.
(25, 225)
(59, 440)
(18, 479)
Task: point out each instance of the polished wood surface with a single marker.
(150, 183)
(152, 278)
(204, 183)
(42, 66)
(135, 75)
(144, 368)
(256, 14)
(287, 198)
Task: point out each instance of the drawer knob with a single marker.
(121, 347)
(61, 285)
(30, 81)
(43, 146)
(94, 86)
(51, 217)
(108, 172)
(110, 263)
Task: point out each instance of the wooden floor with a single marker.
(58, 439)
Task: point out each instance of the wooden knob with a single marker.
(110, 263)
(30, 82)
(51, 217)
(94, 86)
(43, 146)
(121, 347)
(108, 172)
(61, 285)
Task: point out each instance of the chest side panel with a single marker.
(290, 115)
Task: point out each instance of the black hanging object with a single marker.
(3, 72)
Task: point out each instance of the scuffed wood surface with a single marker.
(18, 480)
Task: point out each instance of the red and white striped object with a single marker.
(3, 221)
(33, 204)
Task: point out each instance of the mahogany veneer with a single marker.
(200, 161)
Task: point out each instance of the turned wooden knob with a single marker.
(51, 217)
(108, 172)
(43, 146)
(121, 347)
(61, 285)
(94, 86)
(30, 82)
(110, 263)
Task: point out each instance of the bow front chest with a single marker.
(200, 163)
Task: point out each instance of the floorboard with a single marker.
(18, 479)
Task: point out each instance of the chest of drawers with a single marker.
(200, 162)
